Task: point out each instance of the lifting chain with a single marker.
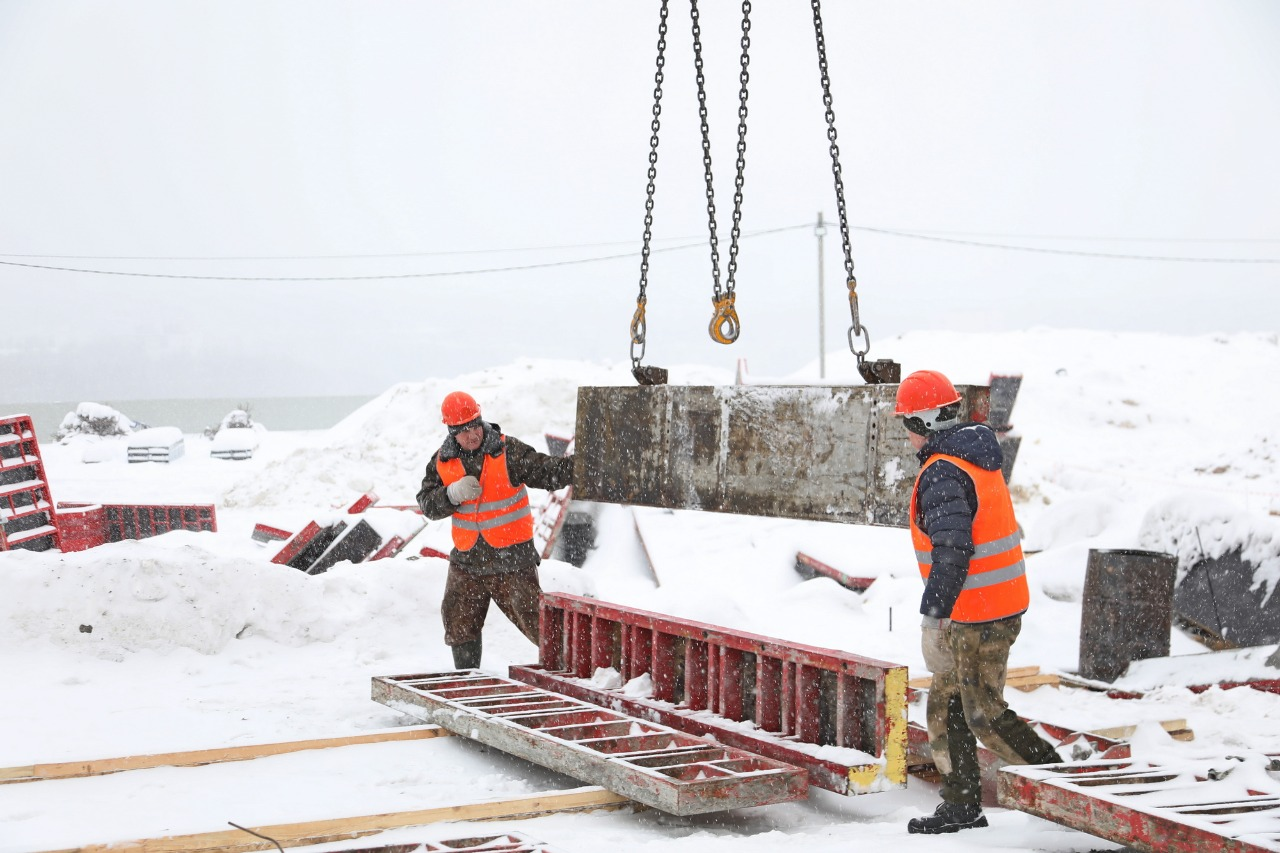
(882, 370)
(639, 327)
(724, 326)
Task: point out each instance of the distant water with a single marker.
(192, 416)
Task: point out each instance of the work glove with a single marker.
(461, 491)
(935, 642)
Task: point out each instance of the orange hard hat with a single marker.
(459, 408)
(925, 390)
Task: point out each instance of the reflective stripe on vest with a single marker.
(996, 586)
(501, 514)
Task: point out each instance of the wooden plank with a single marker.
(196, 758)
(342, 829)
(1017, 673)
(1177, 729)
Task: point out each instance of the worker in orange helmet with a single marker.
(968, 545)
(478, 478)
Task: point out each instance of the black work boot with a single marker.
(467, 655)
(948, 817)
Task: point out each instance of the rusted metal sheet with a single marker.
(1226, 804)
(840, 716)
(823, 453)
(650, 763)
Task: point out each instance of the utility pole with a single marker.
(820, 230)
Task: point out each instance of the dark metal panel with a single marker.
(823, 453)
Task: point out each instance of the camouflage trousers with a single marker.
(467, 597)
(967, 704)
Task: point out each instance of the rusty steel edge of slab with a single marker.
(858, 665)
(648, 786)
(1047, 793)
(840, 450)
(849, 779)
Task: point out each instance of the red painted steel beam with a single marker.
(709, 680)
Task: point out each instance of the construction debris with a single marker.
(650, 763)
(707, 681)
(363, 533)
(809, 568)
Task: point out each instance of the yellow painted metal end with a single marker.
(895, 736)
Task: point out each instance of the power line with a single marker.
(591, 260)
(1079, 253)
(441, 274)
(374, 256)
(1080, 238)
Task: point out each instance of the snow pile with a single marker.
(183, 591)
(95, 419)
(385, 445)
(1196, 528)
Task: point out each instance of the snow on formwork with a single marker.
(1197, 528)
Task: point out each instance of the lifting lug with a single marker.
(882, 371)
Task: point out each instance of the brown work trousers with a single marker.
(467, 596)
(967, 704)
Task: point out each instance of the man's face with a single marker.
(470, 438)
(917, 441)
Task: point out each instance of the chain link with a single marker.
(856, 329)
(639, 327)
(724, 325)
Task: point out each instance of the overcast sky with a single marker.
(261, 139)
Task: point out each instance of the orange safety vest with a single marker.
(501, 514)
(996, 587)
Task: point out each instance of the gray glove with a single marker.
(935, 642)
(466, 489)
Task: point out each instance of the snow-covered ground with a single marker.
(198, 641)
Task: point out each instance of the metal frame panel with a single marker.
(652, 764)
(708, 681)
(1154, 807)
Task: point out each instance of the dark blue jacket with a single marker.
(946, 503)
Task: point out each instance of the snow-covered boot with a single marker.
(948, 817)
(467, 655)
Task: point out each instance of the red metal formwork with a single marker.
(84, 525)
(1226, 804)
(650, 763)
(28, 518)
(840, 716)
